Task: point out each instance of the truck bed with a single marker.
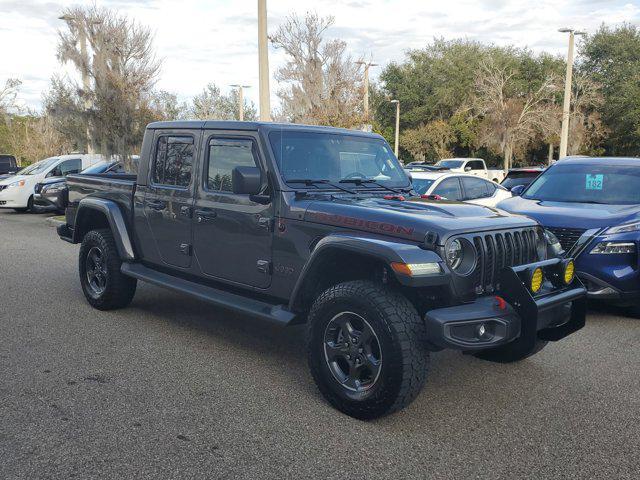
(119, 187)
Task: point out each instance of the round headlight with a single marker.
(455, 254)
(569, 272)
(536, 280)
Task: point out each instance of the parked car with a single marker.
(521, 176)
(472, 166)
(17, 192)
(8, 166)
(592, 205)
(458, 187)
(296, 224)
(52, 194)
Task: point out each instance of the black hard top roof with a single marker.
(254, 126)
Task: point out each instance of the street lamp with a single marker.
(240, 99)
(397, 102)
(84, 68)
(564, 134)
(366, 85)
(263, 62)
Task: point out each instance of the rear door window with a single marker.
(173, 162)
(450, 189)
(476, 188)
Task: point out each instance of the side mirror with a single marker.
(467, 169)
(517, 190)
(246, 180)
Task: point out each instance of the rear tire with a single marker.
(366, 349)
(30, 207)
(103, 285)
(510, 353)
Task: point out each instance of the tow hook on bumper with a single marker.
(521, 317)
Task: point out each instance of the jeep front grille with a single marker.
(494, 251)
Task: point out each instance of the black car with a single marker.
(521, 176)
(8, 166)
(299, 224)
(52, 194)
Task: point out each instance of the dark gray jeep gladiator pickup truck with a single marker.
(300, 224)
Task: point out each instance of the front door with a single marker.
(231, 233)
(168, 200)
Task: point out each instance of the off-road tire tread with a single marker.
(405, 326)
(120, 288)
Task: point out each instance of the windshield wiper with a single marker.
(310, 182)
(361, 181)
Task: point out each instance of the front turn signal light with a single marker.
(416, 269)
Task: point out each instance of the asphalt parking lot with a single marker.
(173, 388)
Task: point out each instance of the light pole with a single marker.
(397, 102)
(564, 134)
(240, 99)
(263, 60)
(84, 70)
(366, 86)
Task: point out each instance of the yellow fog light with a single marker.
(536, 280)
(569, 272)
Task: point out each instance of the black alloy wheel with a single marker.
(96, 272)
(352, 352)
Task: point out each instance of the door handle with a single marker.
(203, 216)
(157, 205)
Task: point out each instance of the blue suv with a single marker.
(591, 206)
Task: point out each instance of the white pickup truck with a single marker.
(473, 166)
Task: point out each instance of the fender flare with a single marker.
(385, 251)
(116, 221)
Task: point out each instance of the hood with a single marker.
(411, 219)
(49, 181)
(13, 178)
(572, 215)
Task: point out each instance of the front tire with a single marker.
(103, 285)
(366, 349)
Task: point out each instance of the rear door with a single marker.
(168, 198)
(232, 233)
(449, 188)
(478, 191)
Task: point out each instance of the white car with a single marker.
(459, 187)
(472, 166)
(16, 192)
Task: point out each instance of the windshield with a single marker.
(592, 183)
(99, 167)
(38, 167)
(335, 157)
(450, 163)
(422, 185)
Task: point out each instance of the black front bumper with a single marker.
(513, 315)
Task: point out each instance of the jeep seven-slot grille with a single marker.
(567, 236)
(498, 250)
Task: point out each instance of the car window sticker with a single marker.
(595, 182)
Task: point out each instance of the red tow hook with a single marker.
(400, 198)
(501, 303)
(433, 196)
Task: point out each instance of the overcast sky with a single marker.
(203, 41)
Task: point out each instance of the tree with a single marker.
(211, 104)
(323, 84)
(122, 68)
(586, 130)
(431, 141)
(8, 95)
(166, 106)
(611, 58)
(511, 115)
